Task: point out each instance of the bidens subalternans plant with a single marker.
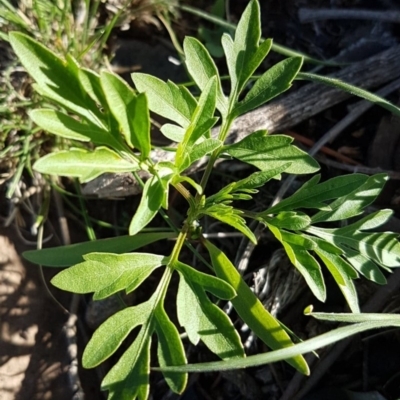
(103, 110)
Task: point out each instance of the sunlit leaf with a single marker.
(67, 127)
(204, 320)
(230, 216)
(305, 263)
(110, 334)
(314, 195)
(353, 204)
(202, 68)
(269, 152)
(166, 99)
(251, 310)
(273, 82)
(129, 377)
(343, 273)
(170, 350)
(84, 164)
(54, 76)
(113, 272)
(209, 283)
(153, 197)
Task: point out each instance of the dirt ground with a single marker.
(41, 344)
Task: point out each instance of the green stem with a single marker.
(214, 156)
(180, 241)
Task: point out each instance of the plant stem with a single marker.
(214, 156)
(180, 241)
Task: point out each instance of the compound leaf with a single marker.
(382, 248)
(200, 150)
(343, 273)
(129, 110)
(290, 220)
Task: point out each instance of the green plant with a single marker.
(103, 110)
(63, 26)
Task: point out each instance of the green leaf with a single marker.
(128, 379)
(91, 84)
(365, 266)
(354, 203)
(273, 82)
(139, 117)
(290, 220)
(170, 349)
(202, 68)
(371, 318)
(201, 150)
(202, 121)
(354, 90)
(260, 178)
(343, 273)
(305, 263)
(65, 256)
(83, 164)
(370, 221)
(204, 320)
(62, 125)
(108, 273)
(173, 132)
(166, 99)
(230, 216)
(130, 111)
(382, 248)
(333, 336)
(211, 284)
(314, 195)
(246, 185)
(244, 54)
(299, 240)
(153, 197)
(55, 78)
(203, 117)
(251, 310)
(110, 334)
(271, 152)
